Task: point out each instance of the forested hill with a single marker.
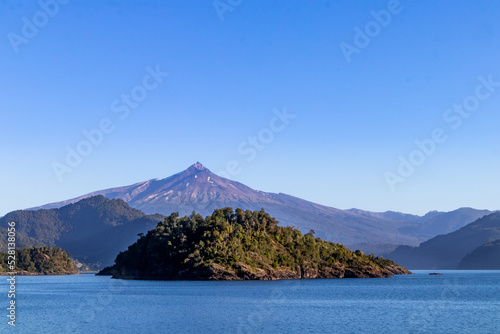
(38, 261)
(93, 230)
(22, 240)
(240, 245)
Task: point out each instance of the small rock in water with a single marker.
(435, 274)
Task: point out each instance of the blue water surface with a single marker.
(457, 302)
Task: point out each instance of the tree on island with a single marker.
(240, 245)
(39, 261)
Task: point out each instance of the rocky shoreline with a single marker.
(240, 272)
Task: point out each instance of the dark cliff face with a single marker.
(240, 272)
(241, 245)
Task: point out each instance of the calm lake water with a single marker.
(457, 302)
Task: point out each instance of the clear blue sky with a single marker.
(225, 77)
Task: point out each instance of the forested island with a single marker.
(240, 245)
(38, 261)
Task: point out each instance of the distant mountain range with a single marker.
(445, 222)
(92, 230)
(197, 188)
(474, 246)
(486, 256)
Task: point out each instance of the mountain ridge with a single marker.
(93, 230)
(447, 251)
(485, 257)
(198, 189)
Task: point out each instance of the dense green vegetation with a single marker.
(22, 240)
(42, 260)
(240, 245)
